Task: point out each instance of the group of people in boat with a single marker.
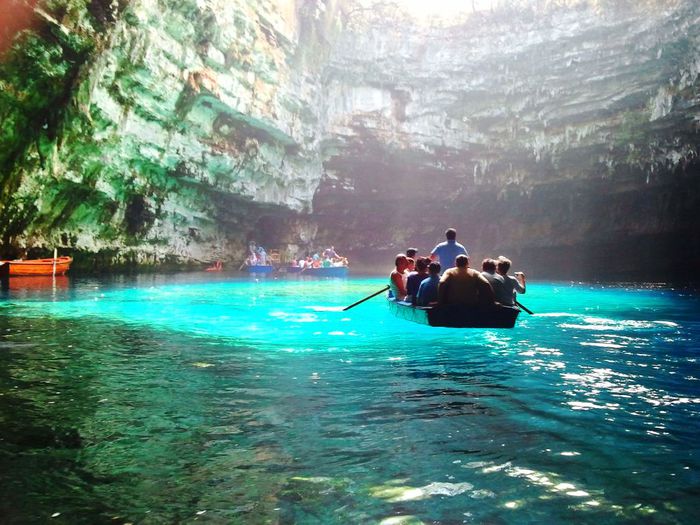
(328, 258)
(445, 278)
(257, 255)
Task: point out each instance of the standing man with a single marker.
(448, 251)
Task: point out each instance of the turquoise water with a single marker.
(175, 399)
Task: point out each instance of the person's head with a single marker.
(422, 264)
(488, 265)
(410, 263)
(400, 262)
(461, 261)
(434, 268)
(503, 265)
(411, 252)
(450, 234)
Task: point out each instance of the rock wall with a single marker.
(191, 121)
(566, 138)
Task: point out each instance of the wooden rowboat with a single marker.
(455, 316)
(40, 266)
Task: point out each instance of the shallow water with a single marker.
(216, 399)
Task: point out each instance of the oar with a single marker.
(523, 308)
(353, 305)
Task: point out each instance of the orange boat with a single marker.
(40, 266)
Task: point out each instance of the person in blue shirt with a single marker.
(448, 251)
(428, 290)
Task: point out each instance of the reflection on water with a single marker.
(23, 284)
(174, 398)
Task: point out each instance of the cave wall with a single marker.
(189, 121)
(177, 131)
(566, 139)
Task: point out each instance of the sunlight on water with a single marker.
(180, 398)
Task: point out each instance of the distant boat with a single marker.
(323, 271)
(455, 316)
(260, 268)
(57, 266)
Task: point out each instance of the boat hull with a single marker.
(328, 271)
(455, 316)
(260, 268)
(40, 266)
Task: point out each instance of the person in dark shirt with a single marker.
(488, 270)
(415, 278)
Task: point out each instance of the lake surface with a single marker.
(220, 399)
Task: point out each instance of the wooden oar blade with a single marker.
(523, 307)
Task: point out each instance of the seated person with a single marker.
(488, 267)
(463, 286)
(428, 290)
(415, 278)
(511, 284)
(397, 286)
(411, 265)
